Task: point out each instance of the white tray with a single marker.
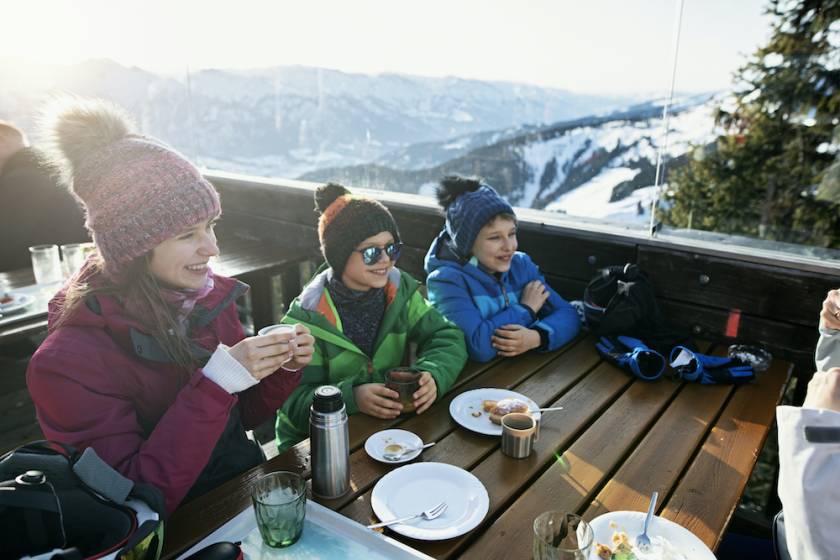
(326, 534)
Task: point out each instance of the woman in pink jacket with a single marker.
(146, 361)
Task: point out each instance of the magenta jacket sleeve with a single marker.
(259, 403)
(171, 457)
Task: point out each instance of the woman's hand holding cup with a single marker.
(303, 348)
(289, 346)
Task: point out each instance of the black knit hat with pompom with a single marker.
(347, 220)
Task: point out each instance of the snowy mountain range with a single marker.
(540, 147)
(288, 120)
(599, 167)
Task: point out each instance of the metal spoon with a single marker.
(643, 541)
(397, 455)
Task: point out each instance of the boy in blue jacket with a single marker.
(478, 280)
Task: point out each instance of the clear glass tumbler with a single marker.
(562, 536)
(280, 507)
(72, 258)
(46, 264)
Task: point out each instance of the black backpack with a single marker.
(73, 505)
(620, 300)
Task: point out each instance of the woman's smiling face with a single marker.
(182, 261)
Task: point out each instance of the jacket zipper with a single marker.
(504, 293)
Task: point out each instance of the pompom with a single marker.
(74, 128)
(326, 195)
(453, 186)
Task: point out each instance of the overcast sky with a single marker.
(601, 46)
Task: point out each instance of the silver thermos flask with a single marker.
(329, 443)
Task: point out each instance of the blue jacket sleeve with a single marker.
(556, 317)
(448, 292)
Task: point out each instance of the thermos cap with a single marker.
(327, 399)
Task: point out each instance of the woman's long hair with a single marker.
(142, 299)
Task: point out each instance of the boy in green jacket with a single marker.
(363, 313)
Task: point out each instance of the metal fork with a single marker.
(643, 541)
(428, 515)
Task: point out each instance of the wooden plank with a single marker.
(262, 299)
(787, 341)
(291, 204)
(193, 520)
(727, 457)
(17, 278)
(466, 448)
(572, 256)
(363, 426)
(18, 331)
(788, 295)
(572, 477)
(662, 455)
(503, 476)
(289, 235)
(568, 288)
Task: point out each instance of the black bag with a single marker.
(620, 300)
(55, 499)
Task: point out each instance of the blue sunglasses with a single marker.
(371, 255)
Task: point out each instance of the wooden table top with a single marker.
(616, 441)
(238, 257)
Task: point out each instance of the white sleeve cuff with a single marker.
(223, 370)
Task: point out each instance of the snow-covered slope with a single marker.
(600, 167)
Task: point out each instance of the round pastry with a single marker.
(506, 406)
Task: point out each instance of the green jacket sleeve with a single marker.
(440, 344)
(293, 419)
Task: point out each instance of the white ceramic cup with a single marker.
(280, 329)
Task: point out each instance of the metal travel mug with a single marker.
(329, 443)
(518, 434)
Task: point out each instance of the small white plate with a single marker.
(466, 404)
(414, 488)
(375, 445)
(18, 303)
(632, 522)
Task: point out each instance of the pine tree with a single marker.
(760, 176)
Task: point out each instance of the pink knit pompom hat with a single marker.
(136, 191)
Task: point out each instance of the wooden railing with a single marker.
(714, 289)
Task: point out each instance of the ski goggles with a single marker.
(371, 255)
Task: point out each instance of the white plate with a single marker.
(417, 487)
(19, 302)
(375, 444)
(464, 405)
(632, 523)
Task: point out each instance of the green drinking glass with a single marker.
(280, 507)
